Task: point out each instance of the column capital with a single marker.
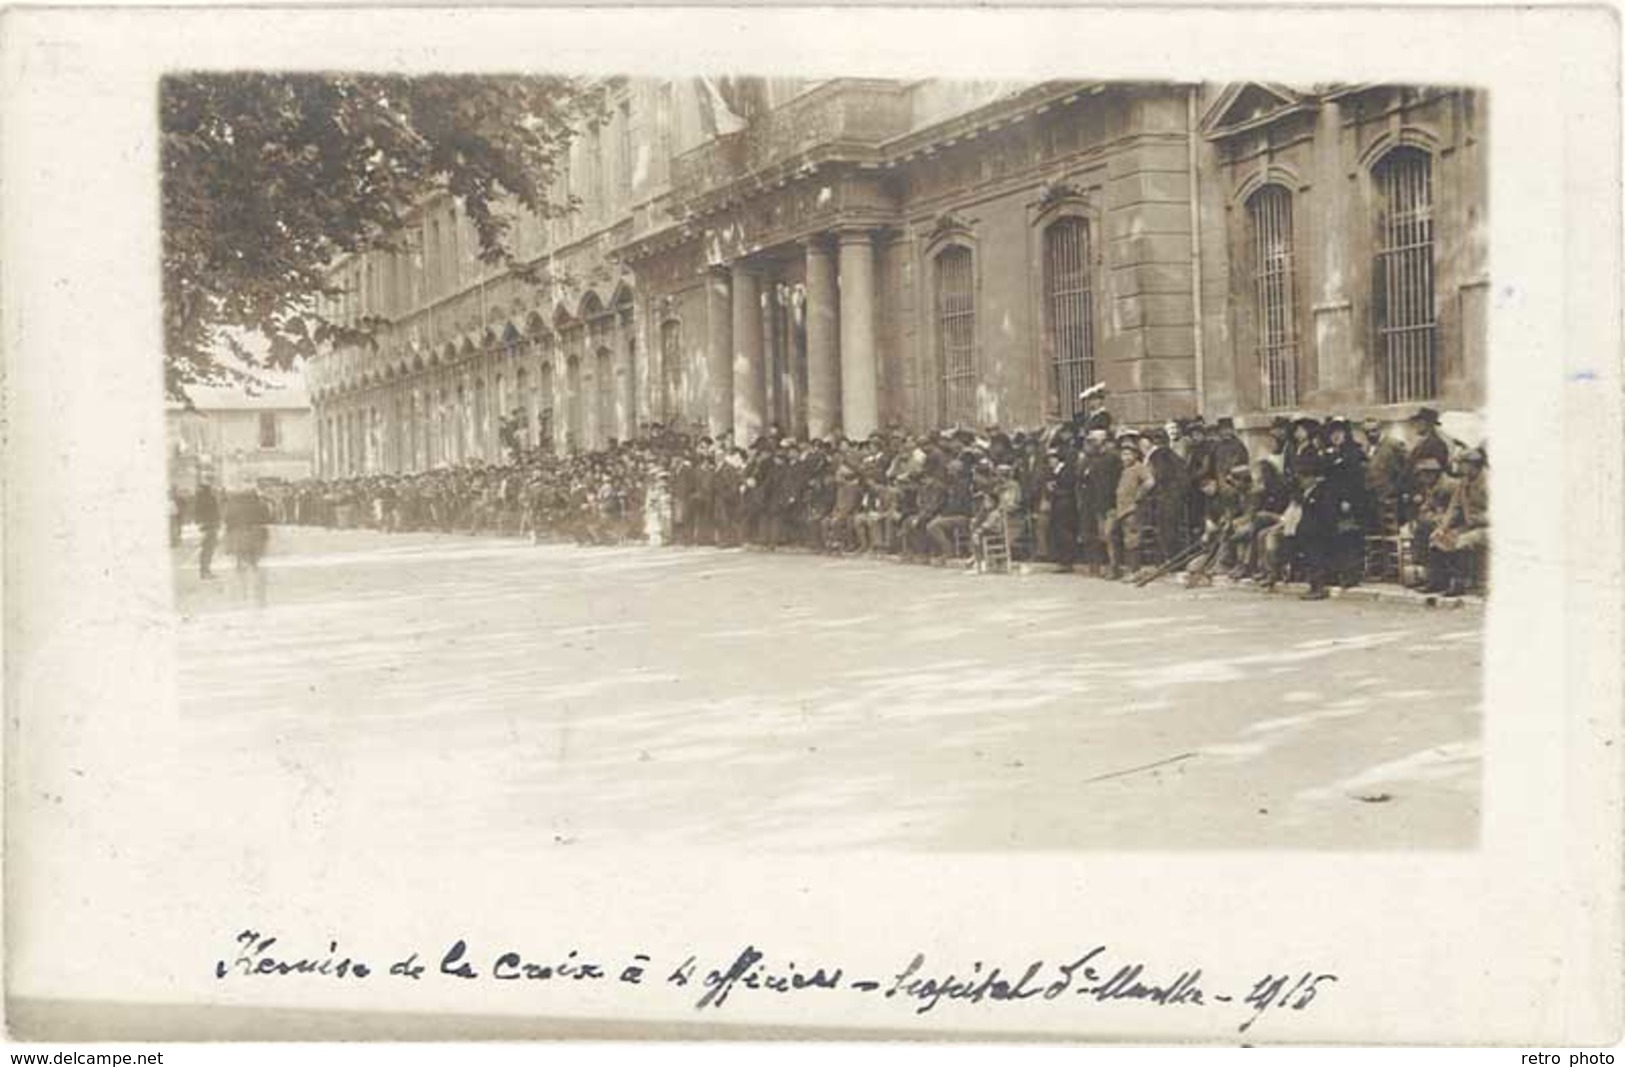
(852, 235)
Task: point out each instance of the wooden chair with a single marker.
(1387, 552)
(995, 548)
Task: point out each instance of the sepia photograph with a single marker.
(921, 464)
(812, 524)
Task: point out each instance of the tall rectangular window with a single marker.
(671, 369)
(1402, 297)
(624, 161)
(268, 429)
(665, 128)
(1269, 214)
(956, 334)
(1070, 311)
(595, 173)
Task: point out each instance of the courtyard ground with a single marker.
(438, 689)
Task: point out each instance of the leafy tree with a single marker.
(267, 178)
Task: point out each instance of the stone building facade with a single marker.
(843, 255)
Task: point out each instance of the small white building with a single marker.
(237, 441)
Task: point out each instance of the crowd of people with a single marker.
(1120, 503)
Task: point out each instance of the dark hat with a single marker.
(1225, 422)
(1426, 415)
(1280, 424)
(1337, 420)
(1308, 421)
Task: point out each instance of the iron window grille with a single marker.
(1403, 298)
(956, 334)
(1269, 212)
(1069, 310)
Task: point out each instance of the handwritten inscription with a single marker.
(1094, 976)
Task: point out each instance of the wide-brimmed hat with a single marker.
(1426, 415)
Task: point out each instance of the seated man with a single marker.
(877, 515)
(1221, 511)
(1463, 535)
(839, 531)
(953, 521)
(998, 509)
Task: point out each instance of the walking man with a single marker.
(206, 513)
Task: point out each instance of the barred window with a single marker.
(1069, 311)
(671, 369)
(1269, 214)
(956, 334)
(1402, 297)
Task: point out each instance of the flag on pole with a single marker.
(718, 118)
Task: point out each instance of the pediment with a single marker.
(1248, 105)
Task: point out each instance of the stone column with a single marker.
(823, 341)
(749, 380)
(860, 413)
(719, 386)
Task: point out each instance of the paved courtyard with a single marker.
(437, 689)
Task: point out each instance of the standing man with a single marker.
(1122, 522)
(1429, 445)
(1061, 491)
(206, 513)
(1098, 474)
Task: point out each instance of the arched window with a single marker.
(671, 370)
(1069, 310)
(956, 334)
(1269, 217)
(1402, 281)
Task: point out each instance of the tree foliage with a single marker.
(268, 178)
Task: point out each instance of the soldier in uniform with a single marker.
(1463, 531)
